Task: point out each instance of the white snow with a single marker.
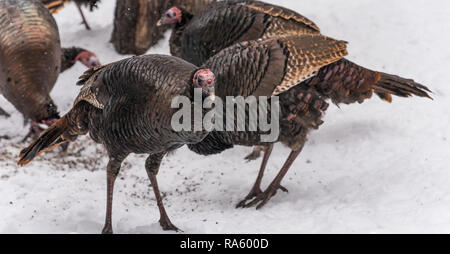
(371, 168)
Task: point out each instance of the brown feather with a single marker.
(278, 11)
(307, 54)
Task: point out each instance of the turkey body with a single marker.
(222, 24)
(134, 111)
(271, 67)
(30, 57)
(126, 106)
(304, 71)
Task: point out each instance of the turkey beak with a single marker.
(160, 22)
(212, 94)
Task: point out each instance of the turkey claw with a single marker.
(262, 198)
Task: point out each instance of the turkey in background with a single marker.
(196, 38)
(55, 5)
(31, 59)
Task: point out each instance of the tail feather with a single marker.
(48, 140)
(394, 85)
(385, 96)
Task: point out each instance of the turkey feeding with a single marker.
(31, 59)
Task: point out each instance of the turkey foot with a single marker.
(107, 230)
(255, 192)
(259, 196)
(167, 225)
(265, 196)
(256, 189)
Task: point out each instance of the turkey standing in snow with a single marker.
(126, 106)
(222, 24)
(304, 71)
(31, 59)
(55, 5)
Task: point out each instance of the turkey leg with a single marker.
(112, 170)
(265, 196)
(152, 166)
(256, 189)
(82, 16)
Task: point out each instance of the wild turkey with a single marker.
(31, 59)
(304, 71)
(126, 106)
(222, 24)
(55, 5)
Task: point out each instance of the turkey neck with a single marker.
(177, 33)
(30, 57)
(68, 57)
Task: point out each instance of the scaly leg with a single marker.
(82, 16)
(112, 170)
(152, 167)
(256, 189)
(275, 185)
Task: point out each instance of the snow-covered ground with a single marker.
(371, 168)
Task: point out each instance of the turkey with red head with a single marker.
(127, 107)
(222, 24)
(31, 59)
(304, 72)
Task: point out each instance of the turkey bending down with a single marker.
(222, 24)
(304, 71)
(31, 59)
(55, 5)
(126, 106)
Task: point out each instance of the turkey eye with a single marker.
(168, 15)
